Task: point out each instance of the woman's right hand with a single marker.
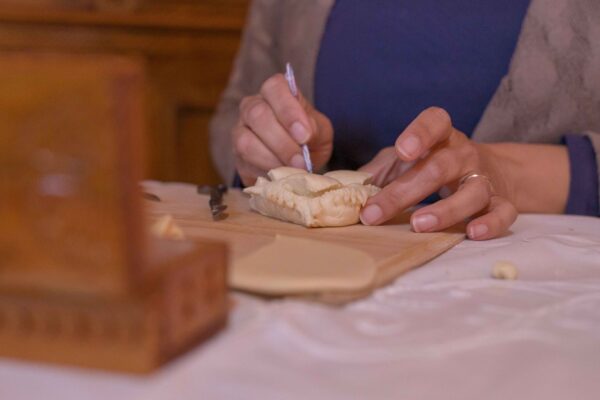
(272, 126)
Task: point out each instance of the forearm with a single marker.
(535, 177)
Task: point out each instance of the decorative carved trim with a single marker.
(44, 319)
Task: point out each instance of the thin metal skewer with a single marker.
(291, 80)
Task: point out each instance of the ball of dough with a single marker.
(505, 270)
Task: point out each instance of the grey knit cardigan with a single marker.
(552, 87)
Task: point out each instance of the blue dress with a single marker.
(382, 62)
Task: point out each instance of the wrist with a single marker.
(534, 177)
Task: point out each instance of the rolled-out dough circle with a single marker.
(291, 265)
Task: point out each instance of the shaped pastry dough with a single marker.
(312, 200)
(349, 177)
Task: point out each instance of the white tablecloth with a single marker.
(446, 330)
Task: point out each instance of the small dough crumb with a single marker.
(505, 270)
(166, 228)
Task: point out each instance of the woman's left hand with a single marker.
(431, 156)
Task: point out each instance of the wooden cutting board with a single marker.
(394, 247)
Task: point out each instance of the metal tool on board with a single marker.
(215, 203)
(291, 80)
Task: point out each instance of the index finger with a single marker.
(288, 109)
(431, 127)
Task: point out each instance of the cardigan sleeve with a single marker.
(594, 138)
(255, 62)
(583, 187)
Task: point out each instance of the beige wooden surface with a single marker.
(394, 247)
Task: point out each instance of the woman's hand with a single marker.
(272, 126)
(431, 156)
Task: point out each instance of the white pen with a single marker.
(291, 80)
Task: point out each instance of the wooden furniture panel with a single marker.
(187, 47)
(191, 121)
(220, 14)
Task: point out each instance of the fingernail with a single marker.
(409, 146)
(299, 132)
(297, 161)
(477, 231)
(425, 222)
(371, 214)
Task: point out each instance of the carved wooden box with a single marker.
(81, 281)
